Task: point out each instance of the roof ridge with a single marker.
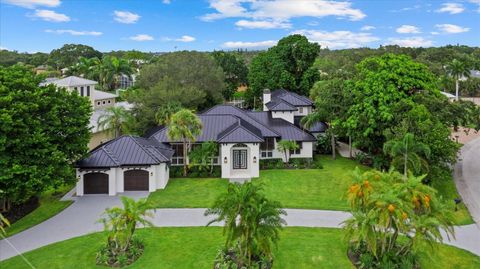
(246, 114)
(144, 148)
(240, 126)
(110, 154)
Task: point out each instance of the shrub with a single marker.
(324, 144)
(195, 172)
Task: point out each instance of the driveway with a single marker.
(467, 177)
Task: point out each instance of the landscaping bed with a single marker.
(297, 248)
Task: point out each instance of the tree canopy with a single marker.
(69, 54)
(234, 69)
(43, 131)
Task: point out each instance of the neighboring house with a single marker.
(243, 137)
(126, 81)
(99, 100)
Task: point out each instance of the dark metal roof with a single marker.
(239, 134)
(127, 150)
(291, 98)
(280, 105)
(318, 127)
(287, 130)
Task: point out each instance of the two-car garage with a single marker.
(97, 182)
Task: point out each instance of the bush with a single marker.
(271, 164)
(112, 256)
(296, 163)
(177, 171)
(324, 145)
(227, 259)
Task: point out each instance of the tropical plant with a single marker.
(121, 223)
(116, 120)
(387, 206)
(110, 70)
(408, 153)
(286, 146)
(457, 70)
(185, 126)
(165, 112)
(202, 156)
(251, 224)
(3, 222)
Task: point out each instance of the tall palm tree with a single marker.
(116, 120)
(110, 70)
(457, 70)
(164, 113)
(408, 153)
(184, 126)
(251, 221)
(286, 146)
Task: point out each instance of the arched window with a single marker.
(240, 145)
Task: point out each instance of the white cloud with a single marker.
(279, 12)
(338, 39)
(126, 17)
(262, 24)
(476, 2)
(412, 42)
(142, 37)
(3, 48)
(185, 38)
(367, 28)
(33, 3)
(74, 32)
(50, 15)
(451, 28)
(452, 8)
(408, 29)
(249, 45)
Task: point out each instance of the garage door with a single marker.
(135, 180)
(94, 183)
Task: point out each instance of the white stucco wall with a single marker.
(305, 152)
(286, 115)
(253, 168)
(306, 110)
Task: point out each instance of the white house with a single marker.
(243, 137)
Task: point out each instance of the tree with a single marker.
(69, 54)
(121, 223)
(234, 69)
(387, 205)
(36, 123)
(286, 146)
(288, 65)
(164, 113)
(251, 224)
(115, 120)
(110, 70)
(408, 153)
(457, 70)
(202, 156)
(85, 67)
(184, 126)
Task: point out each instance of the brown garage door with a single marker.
(135, 180)
(94, 183)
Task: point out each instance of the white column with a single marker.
(79, 188)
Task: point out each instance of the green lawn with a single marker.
(50, 205)
(303, 188)
(448, 191)
(196, 247)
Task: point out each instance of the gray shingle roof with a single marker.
(99, 95)
(280, 105)
(287, 130)
(127, 150)
(291, 98)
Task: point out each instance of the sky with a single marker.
(206, 25)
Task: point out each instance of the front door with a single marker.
(239, 159)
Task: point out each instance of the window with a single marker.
(300, 110)
(297, 151)
(177, 158)
(267, 147)
(75, 89)
(109, 101)
(88, 90)
(98, 103)
(103, 102)
(81, 91)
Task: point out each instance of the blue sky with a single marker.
(167, 25)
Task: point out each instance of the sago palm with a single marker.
(184, 126)
(408, 153)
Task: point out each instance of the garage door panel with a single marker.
(135, 180)
(95, 183)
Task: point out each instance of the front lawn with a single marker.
(447, 189)
(196, 247)
(50, 205)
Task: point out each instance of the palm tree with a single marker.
(122, 222)
(457, 70)
(116, 119)
(184, 126)
(286, 146)
(110, 69)
(85, 67)
(251, 221)
(309, 120)
(408, 153)
(164, 113)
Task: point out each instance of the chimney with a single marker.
(267, 97)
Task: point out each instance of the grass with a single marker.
(196, 247)
(448, 191)
(303, 188)
(50, 205)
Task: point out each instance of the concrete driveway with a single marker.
(80, 218)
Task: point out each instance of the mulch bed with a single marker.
(19, 211)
